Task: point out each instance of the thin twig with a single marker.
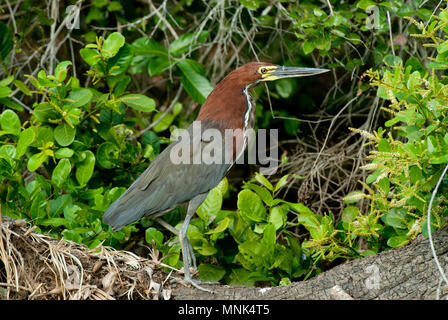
(390, 33)
(428, 223)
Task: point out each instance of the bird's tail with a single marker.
(123, 212)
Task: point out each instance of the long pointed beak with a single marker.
(290, 72)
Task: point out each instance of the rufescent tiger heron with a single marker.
(166, 184)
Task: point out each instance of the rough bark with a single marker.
(409, 272)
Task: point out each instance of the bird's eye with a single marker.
(263, 70)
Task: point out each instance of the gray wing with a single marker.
(165, 184)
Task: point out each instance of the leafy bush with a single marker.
(244, 246)
(59, 167)
(87, 137)
(351, 35)
(410, 153)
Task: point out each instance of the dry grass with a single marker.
(36, 266)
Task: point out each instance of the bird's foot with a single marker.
(195, 283)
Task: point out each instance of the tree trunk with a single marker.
(409, 272)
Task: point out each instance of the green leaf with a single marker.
(121, 61)
(7, 81)
(4, 92)
(405, 10)
(121, 84)
(91, 56)
(45, 112)
(73, 115)
(211, 273)
(197, 86)
(416, 65)
(139, 102)
(164, 123)
(145, 46)
(397, 241)
(61, 172)
(44, 135)
(211, 205)
(44, 81)
(252, 252)
(63, 153)
(57, 205)
(151, 138)
(432, 144)
(6, 42)
(384, 145)
(354, 197)
(384, 185)
(309, 220)
(8, 152)
(106, 152)
(10, 122)
(285, 87)
(185, 42)
(72, 235)
(60, 71)
(207, 250)
(157, 65)
(396, 218)
(11, 103)
(424, 13)
(112, 44)
(392, 60)
(281, 183)
(36, 161)
(152, 234)
(222, 225)
(38, 206)
(26, 137)
(223, 186)
(350, 213)
(268, 241)
(437, 65)
(308, 46)
(251, 4)
(240, 277)
(353, 64)
(263, 181)
(299, 207)
(79, 97)
(277, 217)
(84, 169)
(424, 227)
(114, 6)
(364, 4)
(262, 192)
(64, 134)
(54, 222)
(251, 206)
(415, 173)
(22, 87)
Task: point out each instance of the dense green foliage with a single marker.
(76, 130)
(410, 154)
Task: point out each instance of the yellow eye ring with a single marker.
(263, 70)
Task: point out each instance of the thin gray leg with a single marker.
(167, 226)
(187, 249)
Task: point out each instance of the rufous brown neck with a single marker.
(226, 104)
